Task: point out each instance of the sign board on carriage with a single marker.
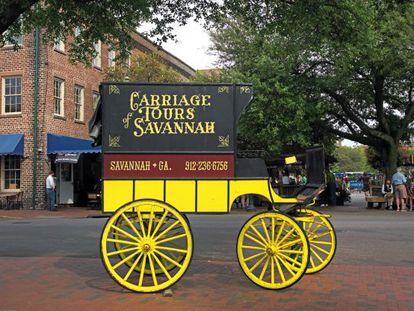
(195, 121)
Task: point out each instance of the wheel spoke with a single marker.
(151, 264)
(290, 251)
(122, 242)
(162, 266)
(254, 240)
(253, 247)
(286, 236)
(273, 231)
(172, 249)
(125, 259)
(150, 221)
(121, 251)
(321, 249)
(253, 256)
(279, 268)
(125, 233)
(141, 276)
(132, 267)
(167, 230)
(258, 234)
(321, 242)
(287, 266)
(168, 258)
(159, 223)
(175, 237)
(272, 270)
(131, 225)
(264, 268)
(293, 261)
(319, 225)
(280, 232)
(312, 262)
(297, 241)
(316, 255)
(141, 223)
(317, 236)
(257, 263)
(265, 230)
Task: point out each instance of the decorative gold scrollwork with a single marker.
(114, 141)
(114, 89)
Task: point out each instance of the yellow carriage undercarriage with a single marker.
(147, 244)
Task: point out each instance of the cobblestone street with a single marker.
(50, 264)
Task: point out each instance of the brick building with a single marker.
(67, 94)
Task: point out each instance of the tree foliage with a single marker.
(143, 68)
(350, 61)
(106, 20)
(351, 159)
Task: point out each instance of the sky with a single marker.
(192, 45)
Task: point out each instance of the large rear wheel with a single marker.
(136, 246)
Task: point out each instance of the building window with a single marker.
(95, 99)
(97, 59)
(58, 97)
(59, 45)
(12, 95)
(10, 173)
(111, 58)
(79, 103)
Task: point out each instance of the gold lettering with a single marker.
(133, 105)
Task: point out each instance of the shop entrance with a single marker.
(65, 183)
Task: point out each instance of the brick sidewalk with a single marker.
(65, 212)
(82, 283)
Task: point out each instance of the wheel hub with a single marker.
(146, 248)
(271, 251)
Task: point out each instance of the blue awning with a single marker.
(12, 144)
(65, 144)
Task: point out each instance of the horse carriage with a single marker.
(170, 150)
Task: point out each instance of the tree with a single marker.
(143, 68)
(351, 159)
(352, 60)
(278, 119)
(106, 20)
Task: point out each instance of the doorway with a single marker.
(65, 183)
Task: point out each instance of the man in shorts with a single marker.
(399, 180)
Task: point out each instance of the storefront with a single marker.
(11, 154)
(77, 165)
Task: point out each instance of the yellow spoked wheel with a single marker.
(146, 231)
(272, 250)
(322, 241)
(123, 224)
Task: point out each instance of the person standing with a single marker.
(399, 180)
(50, 191)
(387, 190)
(365, 183)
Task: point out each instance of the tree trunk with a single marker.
(391, 160)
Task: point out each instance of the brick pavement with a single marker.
(54, 283)
(68, 212)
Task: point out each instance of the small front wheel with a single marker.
(272, 250)
(157, 246)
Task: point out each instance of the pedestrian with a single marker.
(50, 191)
(365, 183)
(399, 180)
(387, 190)
(410, 192)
